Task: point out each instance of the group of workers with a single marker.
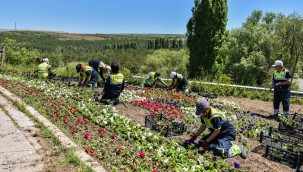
(114, 83)
(179, 81)
(222, 136)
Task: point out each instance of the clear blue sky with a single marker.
(124, 16)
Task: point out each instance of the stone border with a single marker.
(65, 141)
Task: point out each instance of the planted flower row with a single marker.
(247, 124)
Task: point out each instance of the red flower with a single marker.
(102, 131)
(142, 154)
(103, 153)
(119, 148)
(57, 119)
(73, 132)
(155, 170)
(86, 135)
(114, 135)
(75, 111)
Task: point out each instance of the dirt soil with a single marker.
(52, 156)
(255, 161)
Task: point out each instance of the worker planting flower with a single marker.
(223, 133)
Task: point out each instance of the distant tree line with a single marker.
(163, 43)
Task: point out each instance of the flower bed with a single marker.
(119, 143)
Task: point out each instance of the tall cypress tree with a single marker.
(205, 30)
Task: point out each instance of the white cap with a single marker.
(45, 60)
(108, 68)
(172, 75)
(278, 63)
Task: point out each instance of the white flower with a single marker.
(166, 161)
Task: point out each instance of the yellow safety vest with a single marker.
(214, 113)
(116, 79)
(86, 68)
(280, 76)
(153, 78)
(43, 70)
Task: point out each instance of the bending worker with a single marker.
(114, 85)
(179, 82)
(43, 68)
(281, 82)
(152, 78)
(88, 76)
(223, 133)
(100, 67)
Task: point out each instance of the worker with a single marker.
(43, 68)
(281, 82)
(100, 67)
(51, 72)
(222, 133)
(114, 85)
(88, 76)
(152, 78)
(179, 82)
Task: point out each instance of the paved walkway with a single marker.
(18, 143)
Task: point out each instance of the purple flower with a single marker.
(97, 93)
(241, 130)
(214, 158)
(201, 151)
(196, 144)
(236, 165)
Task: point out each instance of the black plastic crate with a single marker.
(293, 122)
(157, 122)
(283, 147)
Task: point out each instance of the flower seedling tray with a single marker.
(283, 147)
(294, 122)
(159, 122)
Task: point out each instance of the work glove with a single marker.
(205, 145)
(192, 138)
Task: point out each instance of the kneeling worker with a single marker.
(88, 76)
(43, 68)
(152, 78)
(223, 133)
(114, 85)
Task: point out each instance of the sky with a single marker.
(124, 16)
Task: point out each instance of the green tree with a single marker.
(205, 30)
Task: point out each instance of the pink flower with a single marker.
(142, 154)
(57, 119)
(119, 148)
(75, 111)
(102, 131)
(155, 170)
(86, 135)
(114, 135)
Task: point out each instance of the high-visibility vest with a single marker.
(43, 70)
(116, 79)
(153, 79)
(280, 76)
(86, 68)
(214, 113)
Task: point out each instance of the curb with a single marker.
(65, 141)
